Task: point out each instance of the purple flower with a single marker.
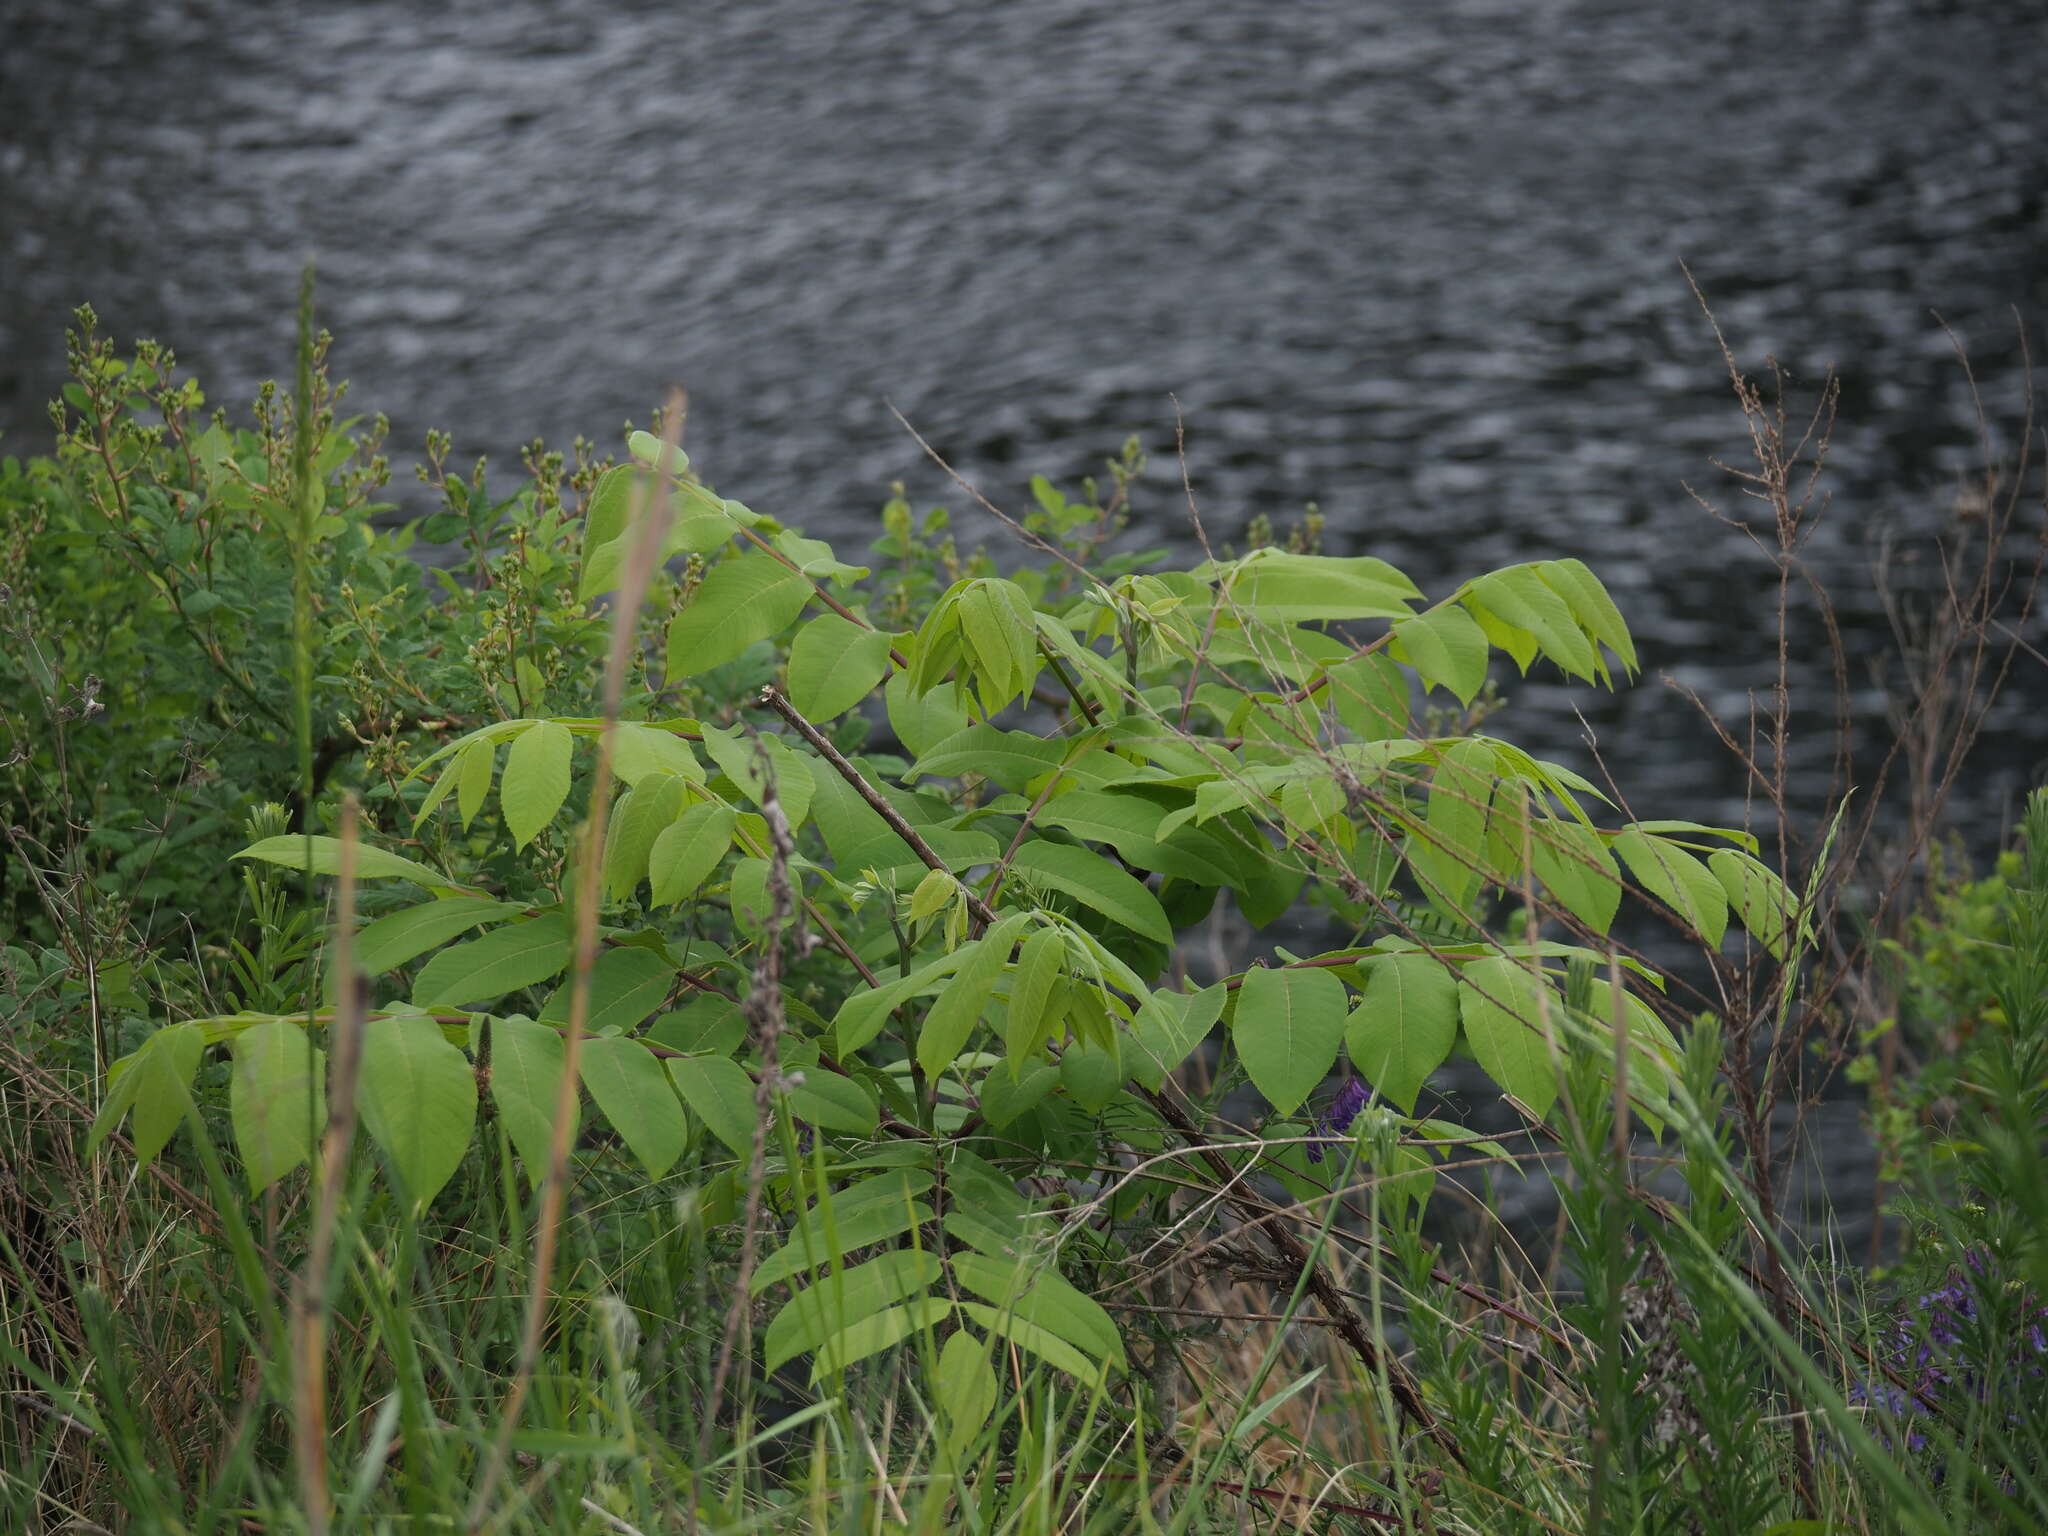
(1935, 1345)
(1336, 1120)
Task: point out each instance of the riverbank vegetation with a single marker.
(661, 1023)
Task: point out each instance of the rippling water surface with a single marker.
(1417, 264)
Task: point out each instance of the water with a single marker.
(1417, 264)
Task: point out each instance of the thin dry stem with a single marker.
(311, 1296)
(649, 518)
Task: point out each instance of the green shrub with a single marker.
(147, 690)
(944, 955)
(850, 911)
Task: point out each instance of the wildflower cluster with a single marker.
(1335, 1122)
(1950, 1350)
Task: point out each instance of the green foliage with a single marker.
(932, 1143)
(149, 670)
(1092, 766)
(1972, 977)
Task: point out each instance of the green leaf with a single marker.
(1130, 825)
(722, 1094)
(503, 960)
(702, 522)
(404, 935)
(1009, 758)
(1029, 1336)
(609, 509)
(536, 779)
(1269, 887)
(638, 816)
(1404, 1025)
(629, 1085)
(748, 897)
(838, 1301)
(833, 1103)
(1765, 904)
(952, 1018)
(1288, 1026)
(1036, 985)
(371, 863)
(1448, 852)
(828, 1233)
(964, 1386)
(687, 851)
(1030, 1288)
(1371, 697)
(1502, 1003)
(1168, 1027)
(1591, 606)
(698, 524)
(1521, 646)
(657, 454)
(833, 665)
(443, 785)
(276, 1100)
(1003, 1100)
(1312, 802)
(935, 892)
(640, 750)
(885, 1330)
(740, 603)
(1576, 868)
(861, 1016)
(1678, 880)
(921, 720)
(707, 1025)
(627, 983)
(1655, 1059)
(1247, 1427)
(1282, 588)
(1741, 839)
(1096, 884)
(906, 1176)
(526, 1080)
(814, 557)
(156, 1082)
(122, 1083)
(479, 764)
(418, 1098)
(1519, 596)
(739, 758)
(982, 621)
(1446, 648)
(1091, 1075)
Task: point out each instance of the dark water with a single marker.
(1419, 264)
